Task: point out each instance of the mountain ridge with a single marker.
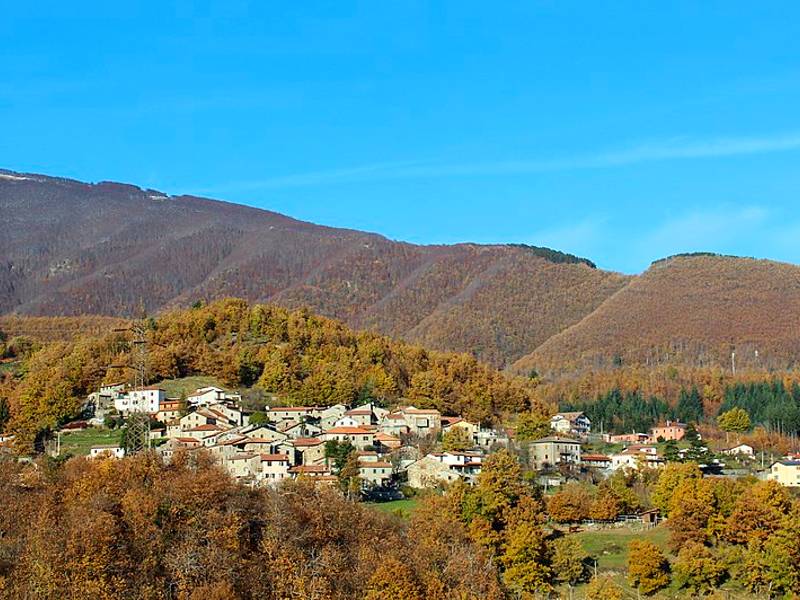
(110, 248)
(114, 249)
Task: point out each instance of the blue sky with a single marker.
(620, 131)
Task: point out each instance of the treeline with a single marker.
(138, 529)
(772, 404)
(627, 412)
(300, 356)
(555, 256)
(768, 403)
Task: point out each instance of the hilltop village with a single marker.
(385, 451)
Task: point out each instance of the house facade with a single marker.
(668, 431)
(785, 472)
(553, 451)
(576, 423)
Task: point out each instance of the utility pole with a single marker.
(137, 432)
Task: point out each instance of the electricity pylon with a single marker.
(137, 432)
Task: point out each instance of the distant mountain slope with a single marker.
(694, 310)
(70, 248)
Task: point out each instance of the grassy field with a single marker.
(78, 443)
(187, 385)
(402, 508)
(610, 546)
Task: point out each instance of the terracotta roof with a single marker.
(257, 440)
(309, 469)
(381, 465)
(206, 427)
(246, 456)
(595, 457)
(349, 431)
(358, 411)
(233, 441)
(274, 457)
(291, 408)
(386, 437)
(187, 440)
(301, 442)
(568, 415)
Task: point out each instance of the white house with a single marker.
(785, 472)
(429, 471)
(211, 395)
(144, 400)
(274, 468)
(740, 450)
(106, 452)
(635, 457)
(374, 473)
(571, 422)
(358, 436)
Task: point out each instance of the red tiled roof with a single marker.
(386, 437)
(246, 456)
(595, 457)
(349, 431)
(207, 427)
(291, 408)
(309, 469)
(301, 442)
(187, 440)
(274, 457)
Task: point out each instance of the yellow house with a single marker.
(786, 472)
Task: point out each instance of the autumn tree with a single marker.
(648, 569)
(698, 569)
(570, 504)
(532, 426)
(569, 560)
(735, 420)
(606, 504)
(393, 579)
(526, 560)
(691, 507)
(668, 480)
(758, 513)
(350, 476)
(602, 587)
(457, 439)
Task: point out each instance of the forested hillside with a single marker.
(302, 357)
(694, 311)
(114, 250)
(69, 248)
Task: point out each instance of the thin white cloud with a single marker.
(678, 148)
